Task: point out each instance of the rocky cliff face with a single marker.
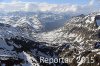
(84, 36)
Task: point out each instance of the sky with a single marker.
(52, 1)
(68, 6)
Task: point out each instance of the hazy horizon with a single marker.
(74, 6)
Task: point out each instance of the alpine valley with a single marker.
(25, 37)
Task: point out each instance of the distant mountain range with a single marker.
(48, 20)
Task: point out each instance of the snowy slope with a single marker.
(83, 36)
(17, 49)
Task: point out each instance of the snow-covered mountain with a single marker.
(82, 35)
(17, 21)
(39, 21)
(79, 40)
(17, 49)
